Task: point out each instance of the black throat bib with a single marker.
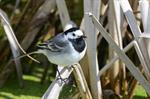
(78, 44)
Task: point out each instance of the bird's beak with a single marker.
(84, 36)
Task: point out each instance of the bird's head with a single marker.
(74, 33)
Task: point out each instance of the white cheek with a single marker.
(70, 36)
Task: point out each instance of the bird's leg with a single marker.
(62, 79)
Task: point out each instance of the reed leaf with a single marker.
(90, 30)
(145, 15)
(136, 33)
(129, 64)
(13, 44)
(81, 82)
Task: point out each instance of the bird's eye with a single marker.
(73, 34)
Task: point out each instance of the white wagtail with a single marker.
(66, 48)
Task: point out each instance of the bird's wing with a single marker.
(55, 44)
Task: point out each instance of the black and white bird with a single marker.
(66, 48)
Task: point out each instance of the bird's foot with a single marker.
(62, 80)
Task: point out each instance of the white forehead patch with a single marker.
(78, 33)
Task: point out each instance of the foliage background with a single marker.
(26, 24)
